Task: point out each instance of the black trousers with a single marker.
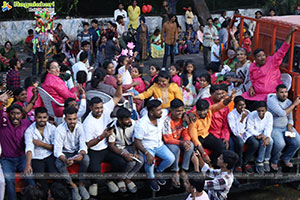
(41, 57)
(41, 166)
(214, 144)
(97, 157)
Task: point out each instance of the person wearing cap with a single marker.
(176, 137)
(215, 51)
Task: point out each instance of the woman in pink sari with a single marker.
(265, 74)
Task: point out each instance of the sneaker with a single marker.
(83, 192)
(75, 194)
(93, 189)
(238, 170)
(153, 185)
(161, 181)
(112, 187)
(267, 166)
(260, 168)
(248, 169)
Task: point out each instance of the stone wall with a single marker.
(16, 31)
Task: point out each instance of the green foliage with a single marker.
(282, 7)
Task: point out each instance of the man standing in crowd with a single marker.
(148, 139)
(85, 35)
(282, 110)
(122, 12)
(96, 134)
(39, 139)
(70, 148)
(95, 32)
(169, 37)
(12, 129)
(121, 143)
(208, 34)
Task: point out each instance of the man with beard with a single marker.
(121, 143)
(12, 129)
(199, 130)
(96, 134)
(148, 139)
(39, 139)
(70, 148)
(282, 110)
(177, 137)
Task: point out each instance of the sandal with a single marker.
(274, 167)
(132, 187)
(122, 186)
(112, 187)
(289, 164)
(176, 181)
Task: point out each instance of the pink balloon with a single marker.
(149, 8)
(145, 9)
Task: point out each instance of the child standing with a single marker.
(188, 80)
(136, 74)
(247, 42)
(215, 51)
(260, 125)
(174, 70)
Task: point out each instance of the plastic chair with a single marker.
(286, 80)
(94, 93)
(48, 99)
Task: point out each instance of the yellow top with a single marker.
(166, 95)
(133, 15)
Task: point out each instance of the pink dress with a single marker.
(141, 87)
(265, 79)
(176, 79)
(57, 88)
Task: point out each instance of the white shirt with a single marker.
(126, 77)
(94, 127)
(32, 133)
(238, 128)
(79, 66)
(87, 65)
(204, 196)
(66, 141)
(208, 34)
(121, 137)
(81, 109)
(257, 126)
(221, 20)
(215, 49)
(123, 13)
(69, 83)
(150, 135)
(120, 30)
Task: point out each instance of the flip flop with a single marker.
(132, 187)
(176, 181)
(289, 164)
(122, 186)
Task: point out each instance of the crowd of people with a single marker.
(217, 121)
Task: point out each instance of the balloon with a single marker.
(149, 8)
(145, 9)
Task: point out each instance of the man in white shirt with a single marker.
(39, 139)
(260, 125)
(215, 51)
(85, 47)
(209, 32)
(70, 148)
(120, 12)
(120, 30)
(81, 66)
(81, 108)
(121, 143)
(237, 120)
(148, 139)
(96, 134)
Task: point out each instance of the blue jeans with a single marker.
(168, 48)
(10, 166)
(186, 157)
(280, 141)
(239, 147)
(264, 153)
(167, 160)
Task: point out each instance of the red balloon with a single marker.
(144, 9)
(149, 8)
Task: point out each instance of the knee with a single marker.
(85, 160)
(171, 159)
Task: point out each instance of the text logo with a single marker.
(6, 6)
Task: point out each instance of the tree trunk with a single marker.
(202, 11)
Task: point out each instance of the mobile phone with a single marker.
(110, 125)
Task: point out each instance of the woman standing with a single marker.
(142, 40)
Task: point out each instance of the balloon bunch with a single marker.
(127, 52)
(146, 8)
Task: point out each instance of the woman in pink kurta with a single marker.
(56, 87)
(265, 74)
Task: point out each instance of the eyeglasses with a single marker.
(55, 67)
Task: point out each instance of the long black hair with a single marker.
(97, 77)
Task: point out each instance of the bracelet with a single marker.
(99, 138)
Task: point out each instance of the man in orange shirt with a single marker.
(176, 137)
(199, 129)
